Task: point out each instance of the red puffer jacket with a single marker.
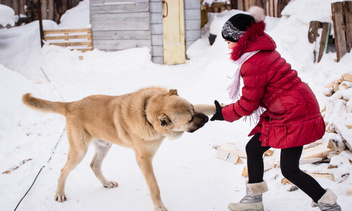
(292, 116)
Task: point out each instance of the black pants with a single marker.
(289, 162)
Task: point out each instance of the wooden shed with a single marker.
(167, 27)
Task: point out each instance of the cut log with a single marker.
(347, 77)
(336, 145)
(292, 187)
(229, 157)
(285, 181)
(311, 160)
(332, 167)
(336, 87)
(332, 84)
(314, 144)
(9, 171)
(345, 133)
(322, 175)
(231, 148)
(230, 153)
(245, 172)
(343, 177)
(267, 167)
(330, 129)
(268, 153)
(349, 189)
(315, 175)
(343, 86)
(319, 151)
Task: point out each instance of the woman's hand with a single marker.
(218, 114)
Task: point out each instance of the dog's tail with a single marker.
(44, 105)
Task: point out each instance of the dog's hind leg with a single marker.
(76, 152)
(101, 150)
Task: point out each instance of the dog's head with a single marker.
(171, 115)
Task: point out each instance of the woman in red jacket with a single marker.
(291, 118)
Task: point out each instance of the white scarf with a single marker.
(234, 87)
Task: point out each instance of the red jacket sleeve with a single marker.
(254, 81)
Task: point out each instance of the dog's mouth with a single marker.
(199, 121)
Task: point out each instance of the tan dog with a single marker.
(139, 120)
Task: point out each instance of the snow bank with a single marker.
(7, 16)
(12, 85)
(77, 17)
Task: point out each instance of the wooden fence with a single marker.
(272, 8)
(51, 9)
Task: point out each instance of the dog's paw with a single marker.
(160, 207)
(60, 197)
(111, 184)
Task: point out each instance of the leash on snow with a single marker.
(47, 162)
(52, 152)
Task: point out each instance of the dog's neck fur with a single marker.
(145, 110)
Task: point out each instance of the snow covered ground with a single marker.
(189, 175)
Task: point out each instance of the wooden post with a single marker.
(260, 3)
(51, 10)
(347, 9)
(339, 29)
(240, 5)
(233, 4)
(323, 40)
(41, 23)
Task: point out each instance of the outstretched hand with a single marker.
(218, 114)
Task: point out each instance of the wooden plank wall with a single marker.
(118, 25)
(51, 9)
(156, 27)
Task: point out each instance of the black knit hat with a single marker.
(237, 25)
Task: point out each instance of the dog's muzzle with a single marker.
(199, 121)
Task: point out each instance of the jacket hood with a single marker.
(253, 40)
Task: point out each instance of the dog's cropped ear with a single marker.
(165, 121)
(173, 92)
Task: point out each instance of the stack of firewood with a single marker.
(337, 115)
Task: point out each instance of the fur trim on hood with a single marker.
(254, 39)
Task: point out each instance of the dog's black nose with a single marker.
(206, 119)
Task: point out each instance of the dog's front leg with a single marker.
(146, 166)
(205, 109)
